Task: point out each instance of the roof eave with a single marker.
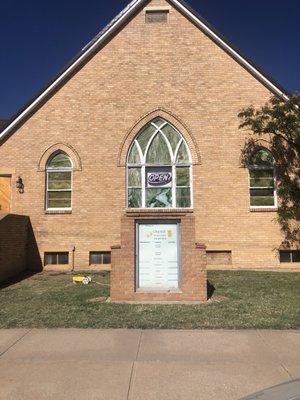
(87, 50)
(112, 27)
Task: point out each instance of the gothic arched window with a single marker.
(159, 168)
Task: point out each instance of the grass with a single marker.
(252, 300)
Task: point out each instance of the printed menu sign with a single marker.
(158, 256)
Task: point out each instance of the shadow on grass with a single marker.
(17, 279)
(210, 290)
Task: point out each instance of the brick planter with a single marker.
(193, 282)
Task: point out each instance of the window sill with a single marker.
(100, 267)
(58, 211)
(57, 267)
(263, 209)
(294, 264)
(159, 291)
(159, 210)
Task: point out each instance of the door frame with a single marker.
(176, 222)
(10, 200)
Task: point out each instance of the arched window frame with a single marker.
(143, 165)
(252, 167)
(50, 170)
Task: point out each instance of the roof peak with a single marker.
(112, 27)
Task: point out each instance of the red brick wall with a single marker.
(193, 263)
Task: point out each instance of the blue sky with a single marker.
(39, 37)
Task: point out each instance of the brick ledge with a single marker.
(267, 209)
(159, 211)
(57, 212)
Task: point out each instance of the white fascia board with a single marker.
(70, 69)
(115, 26)
(230, 50)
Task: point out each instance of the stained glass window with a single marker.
(159, 168)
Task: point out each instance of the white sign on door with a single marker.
(158, 258)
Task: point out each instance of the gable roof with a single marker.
(111, 28)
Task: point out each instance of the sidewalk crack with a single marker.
(286, 370)
(133, 366)
(13, 344)
(139, 346)
(275, 355)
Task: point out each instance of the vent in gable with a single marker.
(157, 16)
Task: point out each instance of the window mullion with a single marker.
(174, 186)
(275, 188)
(67, 176)
(169, 190)
(272, 188)
(143, 177)
(149, 143)
(47, 190)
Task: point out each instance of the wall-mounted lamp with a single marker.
(20, 185)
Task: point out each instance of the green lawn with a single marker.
(249, 300)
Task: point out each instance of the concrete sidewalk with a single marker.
(149, 365)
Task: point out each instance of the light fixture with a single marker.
(20, 185)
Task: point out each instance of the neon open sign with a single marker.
(158, 179)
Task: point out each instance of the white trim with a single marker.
(173, 165)
(71, 68)
(174, 186)
(139, 150)
(191, 183)
(58, 190)
(143, 178)
(229, 49)
(112, 28)
(157, 8)
(177, 149)
(254, 168)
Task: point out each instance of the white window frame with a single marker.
(143, 166)
(263, 168)
(57, 170)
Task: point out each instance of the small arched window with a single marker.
(59, 182)
(159, 168)
(262, 179)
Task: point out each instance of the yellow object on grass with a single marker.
(84, 280)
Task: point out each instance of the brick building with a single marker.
(143, 124)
